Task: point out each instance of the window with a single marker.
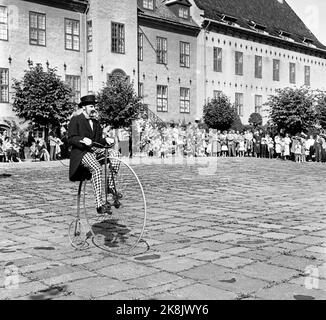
(239, 103)
(258, 67)
(217, 93)
(258, 103)
(184, 100)
(238, 63)
(292, 72)
(74, 83)
(3, 23)
(162, 98)
(89, 35)
(184, 13)
(217, 59)
(140, 46)
(161, 50)
(141, 90)
(37, 28)
(4, 85)
(72, 34)
(307, 75)
(90, 84)
(148, 4)
(185, 54)
(276, 70)
(118, 38)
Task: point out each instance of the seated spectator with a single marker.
(43, 152)
(34, 151)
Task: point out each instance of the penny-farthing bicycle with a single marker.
(121, 231)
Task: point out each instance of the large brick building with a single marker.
(178, 53)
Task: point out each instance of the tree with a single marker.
(255, 119)
(219, 113)
(292, 110)
(321, 108)
(237, 124)
(42, 98)
(118, 103)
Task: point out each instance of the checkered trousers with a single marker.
(94, 161)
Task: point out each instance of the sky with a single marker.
(312, 13)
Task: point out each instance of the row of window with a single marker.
(162, 51)
(217, 67)
(37, 32)
(246, 47)
(239, 102)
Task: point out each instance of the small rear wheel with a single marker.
(77, 234)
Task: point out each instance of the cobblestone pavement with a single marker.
(217, 229)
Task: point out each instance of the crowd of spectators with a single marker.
(193, 141)
(21, 147)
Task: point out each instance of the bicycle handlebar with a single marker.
(101, 145)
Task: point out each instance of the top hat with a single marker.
(86, 100)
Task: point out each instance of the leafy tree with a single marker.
(292, 110)
(321, 108)
(237, 124)
(255, 119)
(118, 103)
(219, 113)
(42, 98)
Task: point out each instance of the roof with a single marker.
(163, 12)
(274, 15)
(72, 5)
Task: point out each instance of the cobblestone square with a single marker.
(217, 229)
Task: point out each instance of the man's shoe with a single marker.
(104, 209)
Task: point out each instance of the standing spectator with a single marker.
(53, 145)
(224, 145)
(256, 143)
(263, 146)
(278, 148)
(270, 146)
(310, 145)
(287, 143)
(241, 141)
(230, 138)
(317, 148)
(297, 150)
(249, 143)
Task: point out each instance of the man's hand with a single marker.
(86, 141)
(109, 141)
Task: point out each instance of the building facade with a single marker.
(177, 53)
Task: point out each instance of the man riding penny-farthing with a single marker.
(118, 187)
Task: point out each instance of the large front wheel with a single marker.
(122, 230)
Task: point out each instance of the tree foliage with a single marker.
(42, 98)
(118, 103)
(255, 119)
(321, 108)
(237, 124)
(292, 110)
(219, 113)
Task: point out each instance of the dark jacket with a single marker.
(79, 128)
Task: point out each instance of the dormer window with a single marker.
(308, 42)
(285, 35)
(257, 27)
(184, 12)
(230, 20)
(148, 4)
